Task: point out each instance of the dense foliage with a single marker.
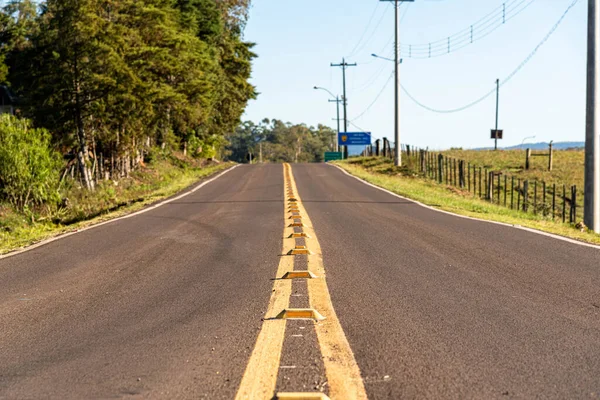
(111, 79)
(280, 142)
(28, 166)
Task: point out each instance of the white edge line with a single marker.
(551, 235)
(144, 210)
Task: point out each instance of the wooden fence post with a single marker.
(490, 186)
(505, 188)
(525, 195)
(440, 168)
(564, 210)
(512, 192)
(535, 196)
(544, 199)
(527, 158)
(519, 195)
(499, 186)
(553, 201)
(550, 156)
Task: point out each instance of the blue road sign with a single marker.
(354, 138)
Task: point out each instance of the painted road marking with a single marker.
(343, 374)
(341, 369)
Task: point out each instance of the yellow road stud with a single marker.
(292, 199)
(295, 217)
(296, 225)
(299, 275)
(301, 396)
(300, 313)
(299, 250)
(299, 235)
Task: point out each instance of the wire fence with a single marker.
(556, 201)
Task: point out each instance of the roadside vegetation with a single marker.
(116, 104)
(568, 165)
(279, 141)
(406, 182)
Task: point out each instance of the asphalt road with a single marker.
(168, 304)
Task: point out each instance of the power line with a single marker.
(374, 101)
(503, 82)
(356, 50)
(365, 31)
(475, 32)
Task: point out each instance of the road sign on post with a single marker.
(497, 133)
(333, 155)
(354, 138)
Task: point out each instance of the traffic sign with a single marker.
(354, 138)
(498, 132)
(333, 155)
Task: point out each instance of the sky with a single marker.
(297, 40)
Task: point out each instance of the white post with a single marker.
(592, 141)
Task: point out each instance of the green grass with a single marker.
(567, 164)
(151, 183)
(403, 181)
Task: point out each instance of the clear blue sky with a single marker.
(297, 41)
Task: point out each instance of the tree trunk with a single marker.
(82, 153)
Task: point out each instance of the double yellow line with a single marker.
(343, 375)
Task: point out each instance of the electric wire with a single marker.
(475, 32)
(367, 41)
(505, 80)
(374, 101)
(365, 31)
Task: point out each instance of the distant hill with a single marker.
(541, 146)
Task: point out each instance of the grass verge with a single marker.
(380, 172)
(157, 181)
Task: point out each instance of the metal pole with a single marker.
(397, 153)
(592, 141)
(497, 105)
(337, 100)
(345, 104)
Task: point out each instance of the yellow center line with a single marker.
(260, 377)
(343, 374)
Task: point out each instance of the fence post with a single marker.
(519, 195)
(574, 204)
(553, 201)
(440, 168)
(499, 188)
(469, 177)
(535, 196)
(550, 156)
(564, 210)
(512, 192)
(385, 147)
(525, 195)
(505, 188)
(544, 199)
(377, 147)
(490, 186)
(527, 158)
(479, 182)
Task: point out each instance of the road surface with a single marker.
(181, 302)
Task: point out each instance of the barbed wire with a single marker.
(502, 82)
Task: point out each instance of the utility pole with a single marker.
(591, 206)
(337, 101)
(344, 65)
(497, 105)
(397, 60)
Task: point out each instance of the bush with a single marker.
(29, 167)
